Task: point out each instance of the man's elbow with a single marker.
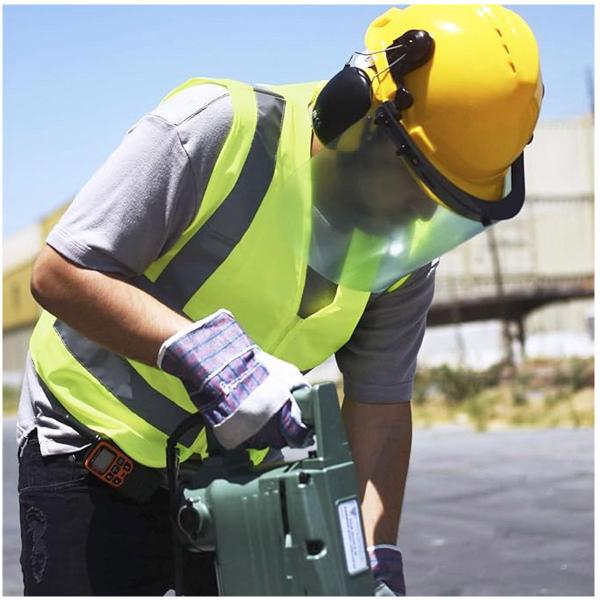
(49, 280)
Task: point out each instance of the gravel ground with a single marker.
(499, 513)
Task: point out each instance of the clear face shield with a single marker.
(370, 222)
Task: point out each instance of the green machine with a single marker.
(287, 529)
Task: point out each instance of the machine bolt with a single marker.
(303, 478)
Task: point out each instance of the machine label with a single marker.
(352, 536)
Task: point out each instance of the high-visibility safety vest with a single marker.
(235, 254)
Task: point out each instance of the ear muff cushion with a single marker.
(344, 100)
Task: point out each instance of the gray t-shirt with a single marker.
(136, 206)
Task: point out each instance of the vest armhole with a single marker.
(398, 283)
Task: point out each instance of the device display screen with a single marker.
(102, 460)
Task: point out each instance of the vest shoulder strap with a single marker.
(228, 165)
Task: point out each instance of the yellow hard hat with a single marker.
(476, 101)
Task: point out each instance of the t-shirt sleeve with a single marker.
(138, 203)
(380, 359)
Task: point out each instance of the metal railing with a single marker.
(526, 285)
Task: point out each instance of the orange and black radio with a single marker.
(108, 463)
(112, 466)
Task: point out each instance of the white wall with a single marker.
(553, 236)
(560, 160)
(21, 246)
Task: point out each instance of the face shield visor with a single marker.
(368, 221)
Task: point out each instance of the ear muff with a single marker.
(344, 100)
(348, 96)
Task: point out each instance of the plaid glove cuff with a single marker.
(295, 432)
(388, 571)
(239, 389)
(216, 361)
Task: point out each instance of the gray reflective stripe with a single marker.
(124, 382)
(206, 251)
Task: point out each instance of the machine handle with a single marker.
(305, 398)
(321, 410)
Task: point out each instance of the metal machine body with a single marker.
(290, 529)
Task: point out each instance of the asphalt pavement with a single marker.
(499, 513)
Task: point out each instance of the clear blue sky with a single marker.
(76, 77)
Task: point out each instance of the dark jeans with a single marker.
(80, 537)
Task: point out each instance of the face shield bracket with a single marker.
(408, 52)
(465, 204)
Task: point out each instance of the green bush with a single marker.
(519, 395)
(492, 375)
(10, 400)
(455, 385)
(581, 373)
(535, 392)
(479, 408)
(574, 374)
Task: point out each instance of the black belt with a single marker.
(104, 459)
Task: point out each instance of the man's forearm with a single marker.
(380, 436)
(105, 309)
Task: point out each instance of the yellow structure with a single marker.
(18, 308)
(52, 219)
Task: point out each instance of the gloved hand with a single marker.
(243, 393)
(386, 564)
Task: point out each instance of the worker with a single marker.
(238, 237)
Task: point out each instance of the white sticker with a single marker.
(352, 536)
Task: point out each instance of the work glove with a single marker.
(386, 564)
(244, 394)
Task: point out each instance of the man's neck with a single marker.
(315, 145)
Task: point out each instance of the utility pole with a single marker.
(589, 79)
(498, 279)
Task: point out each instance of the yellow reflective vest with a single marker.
(235, 254)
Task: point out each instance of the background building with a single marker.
(535, 273)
